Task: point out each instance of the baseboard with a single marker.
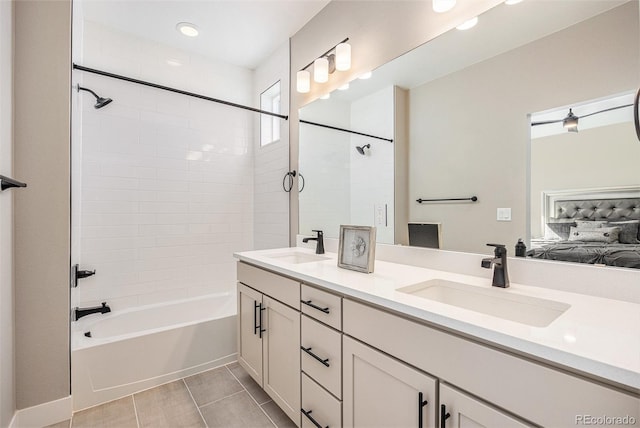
(43, 414)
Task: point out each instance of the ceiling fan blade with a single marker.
(545, 122)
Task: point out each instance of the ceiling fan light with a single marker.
(440, 6)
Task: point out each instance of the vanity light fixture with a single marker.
(570, 122)
(443, 5)
(336, 58)
(188, 29)
(468, 24)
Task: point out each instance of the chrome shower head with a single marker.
(360, 149)
(100, 102)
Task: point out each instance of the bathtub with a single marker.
(135, 349)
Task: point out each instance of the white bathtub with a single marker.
(139, 348)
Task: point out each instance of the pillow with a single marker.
(628, 231)
(591, 224)
(558, 231)
(606, 235)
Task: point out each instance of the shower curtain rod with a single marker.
(345, 130)
(177, 91)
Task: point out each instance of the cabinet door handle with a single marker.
(260, 329)
(421, 403)
(308, 303)
(443, 416)
(256, 326)
(313, 421)
(308, 351)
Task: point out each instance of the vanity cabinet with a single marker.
(382, 391)
(269, 335)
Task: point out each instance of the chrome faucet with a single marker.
(320, 241)
(500, 274)
(82, 312)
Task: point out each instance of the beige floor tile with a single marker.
(63, 424)
(169, 405)
(236, 411)
(247, 381)
(212, 385)
(114, 414)
(277, 415)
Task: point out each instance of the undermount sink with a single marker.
(296, 257)
(532, 311)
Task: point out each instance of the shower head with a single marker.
(100, 102)
(361, 149)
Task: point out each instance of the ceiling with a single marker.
(239, 32)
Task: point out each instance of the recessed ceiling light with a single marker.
(440, 6)
(510, 2)
(468, 24)
(366, 75)
(187, 28)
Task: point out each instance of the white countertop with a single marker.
(597, 336)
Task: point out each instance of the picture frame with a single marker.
(357, 248)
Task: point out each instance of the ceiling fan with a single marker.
(570, 121)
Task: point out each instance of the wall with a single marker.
(166, 180)
(372, 174)
(41, 158)
(379, 31)
(485, 154)
(7, 350)
(606, 156)
(271, 162)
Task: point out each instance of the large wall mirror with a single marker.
(469, 100)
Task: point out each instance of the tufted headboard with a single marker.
(598, 209)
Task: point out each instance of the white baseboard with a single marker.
(43, 414)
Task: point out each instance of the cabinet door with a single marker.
(281, 354)
(249, 337)
(380, 391)
(467, 412)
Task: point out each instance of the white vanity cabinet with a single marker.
(269, 334)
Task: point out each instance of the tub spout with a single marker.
(81, 312)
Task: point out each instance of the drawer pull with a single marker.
(308, 351)
(443, 416)
(308, 303)
(308, 415)
(256, 326)
(421, 403)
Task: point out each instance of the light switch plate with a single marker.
(380, 214)
(504, 214)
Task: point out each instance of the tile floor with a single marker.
(223, 397)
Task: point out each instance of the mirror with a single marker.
(470, 96)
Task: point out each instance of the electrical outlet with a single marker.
(380, 215)
(504, 214)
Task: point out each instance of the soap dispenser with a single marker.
(521, 249)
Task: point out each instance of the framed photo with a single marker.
(357, 248)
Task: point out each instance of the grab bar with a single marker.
(8, 183)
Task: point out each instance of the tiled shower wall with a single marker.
(162, 182)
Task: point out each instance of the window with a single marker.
(270, 125)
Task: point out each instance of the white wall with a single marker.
(606, 156)
(469, 130)
(166, 180)
(271, 162)
(372, 175)
(7, 381)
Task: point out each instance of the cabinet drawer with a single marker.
(279, 287)
(535, 392)
(319, 405)
(323, 361)
(321, 305)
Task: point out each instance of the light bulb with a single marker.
(321, 70)
(443, 5)
(303, 81)
(187, 28)
(343, 57)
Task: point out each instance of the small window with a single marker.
(270, 125)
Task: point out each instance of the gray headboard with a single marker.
(598, 209)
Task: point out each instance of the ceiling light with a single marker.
(321, 70)
(344, 87)
(443, 5)
(303, 81)
(365, 76)
(510, 2)
(343, 56)
(570, 122)
(187, 29)
(468, 24)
